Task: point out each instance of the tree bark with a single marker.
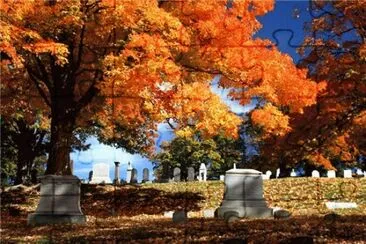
(61, 136)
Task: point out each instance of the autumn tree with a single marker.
(127, 65)
(333, 130)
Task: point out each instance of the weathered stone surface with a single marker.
(243, 195)
(59, 201)
(145, 175)
(176, 174)
(191, 174)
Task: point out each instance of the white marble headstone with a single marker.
(331, 174)
(100, 174)
(222, 177)
(315, 174)
(202, 176)
(347, 173)
(293, 173)
(335, 205)
(359, 172)
(277, 173)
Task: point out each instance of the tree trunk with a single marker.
(60, 148)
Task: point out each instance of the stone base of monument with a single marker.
(243, 196)
(59, 202)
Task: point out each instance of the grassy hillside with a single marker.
(135, 213)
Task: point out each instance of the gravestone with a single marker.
(190, 176)
(315, 174)
(335, 205)
(202, 176)
(145, 175)
(267, 176)
(277, 173)
(293, 173)
(209, 213)
(100, 174)
(90, 177)
(359, 172)
(179, 216)
(116, 173)
(243, 196)
(347, 173)
(222, 177)
(134, 176)
(331, 174)
(176, 174)
(129, 173)
(59, 201)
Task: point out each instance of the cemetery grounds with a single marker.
(138, 214)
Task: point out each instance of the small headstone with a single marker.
(265, 177)
(293, 173)
(315, 174)
(100, 174)
(209, 213)
(364, 174)
(359, 172)
(281, 214)
(145, 175)
(277, 173)
(202, 176)
(335, 205)
(176, 174)
(190, 176)
(90, 175)
(179, 217)
(331, 174)
(347, 173)
(134, 176)
(129, 173)
(234, 166)
(168, 214)
(222, 177)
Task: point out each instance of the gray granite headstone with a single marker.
(59, 201)
(243, 196)
(190, 174)
(134, 176)
(145, 175)
(176, 173)
(116, 173)
(180, 216)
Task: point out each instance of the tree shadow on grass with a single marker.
(153, 229)
(135, 200)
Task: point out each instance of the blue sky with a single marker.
(288, 17)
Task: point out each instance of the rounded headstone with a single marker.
(281, 214)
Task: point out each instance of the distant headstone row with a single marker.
(191, 175)
(100, 174)
(347, 173)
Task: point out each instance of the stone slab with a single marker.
(335, 205)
